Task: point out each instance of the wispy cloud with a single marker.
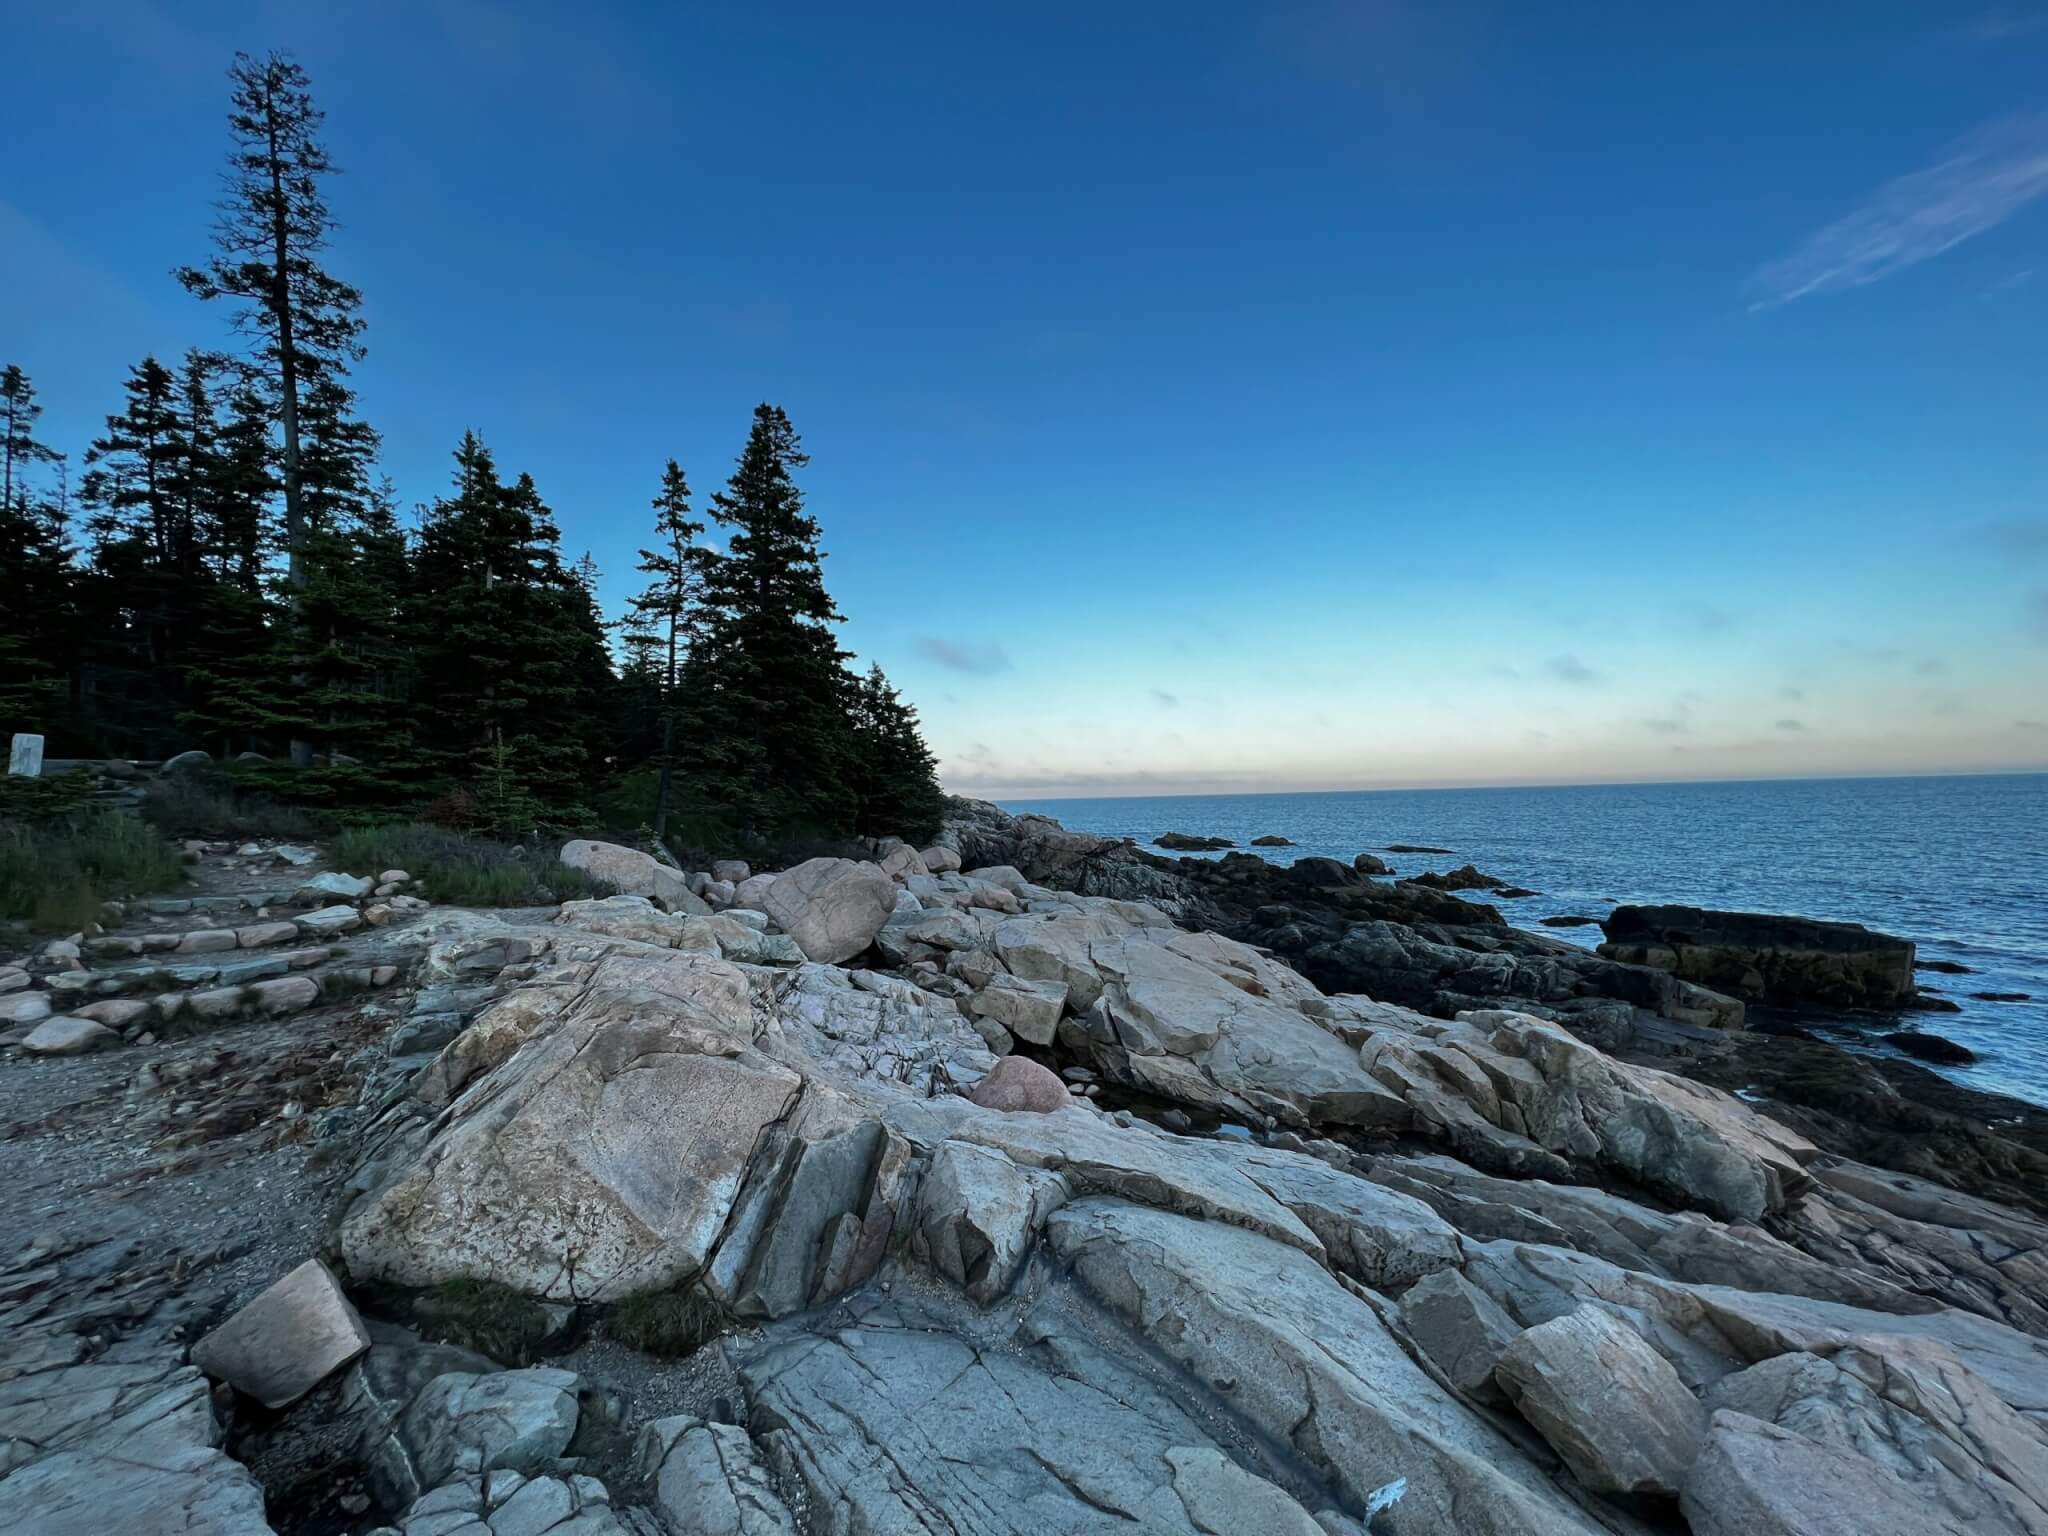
(1570, 669)
(1978, 183)
(1931, 666)
(2018, 537)
(1789, 724)
(1998, 26)
(963, 657)
(1789, 692)
(1665, 725)
(1170, 700)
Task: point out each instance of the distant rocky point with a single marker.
(1416, 848)
(1188, 842)
(1273, 840)
(1465, 877)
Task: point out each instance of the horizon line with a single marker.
(1436, 788)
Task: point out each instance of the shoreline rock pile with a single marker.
(990, 1206)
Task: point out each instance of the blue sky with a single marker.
(1200, 396)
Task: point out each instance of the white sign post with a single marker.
(26, 758)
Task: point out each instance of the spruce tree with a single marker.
(775, 742)
(272, 232)
(894, 777)
(36, 627)
(19, 448)
(511, 672)
(138, 610)
(665, 619)
(134, 471)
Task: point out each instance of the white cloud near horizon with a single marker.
(964, 656)
(1570, 669)
(1978, 183)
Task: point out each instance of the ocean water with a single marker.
(1959, 865)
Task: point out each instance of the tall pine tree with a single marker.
(664, 622)
(138, 610)
(510, 663)
(36, 621)
(19, 448)
(894, 777)
(272, 233)
(775, 741)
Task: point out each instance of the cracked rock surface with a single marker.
(1245, 1258)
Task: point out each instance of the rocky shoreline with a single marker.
(1027, 1183)
(1358, 929)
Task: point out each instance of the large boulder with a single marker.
(332, 886)
(66, 1035)
(751, 894)
(24, 1008)
(1019, 1084)
(1766, 958)
(619, 1134)
(1213, 1024)
(978, 1214)
(833, 908)
(292, 1337)
(1754, 1479)
(1610, 1405)
(1520, 1096)
(463, 1424)
(1030, 1010)
(902, 862)
(1462, 1330)
(630, 872)
(141, 1485)
(708, 1480)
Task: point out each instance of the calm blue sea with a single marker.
(1959, 865)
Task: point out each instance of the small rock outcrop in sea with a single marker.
(1766, 959)
(1270, 840)
(1922, 1046)
(1188, 842)
(1465, 877)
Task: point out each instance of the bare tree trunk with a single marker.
(288, 407)
(668, 737)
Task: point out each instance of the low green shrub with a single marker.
(59, 873)
(210, 805)
(486, 1316)
(669, 1324)
(456, 869)
(44, 797)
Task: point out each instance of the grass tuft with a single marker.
(668, 1324)
(58, 874)
(456, 869)
(208, 805)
